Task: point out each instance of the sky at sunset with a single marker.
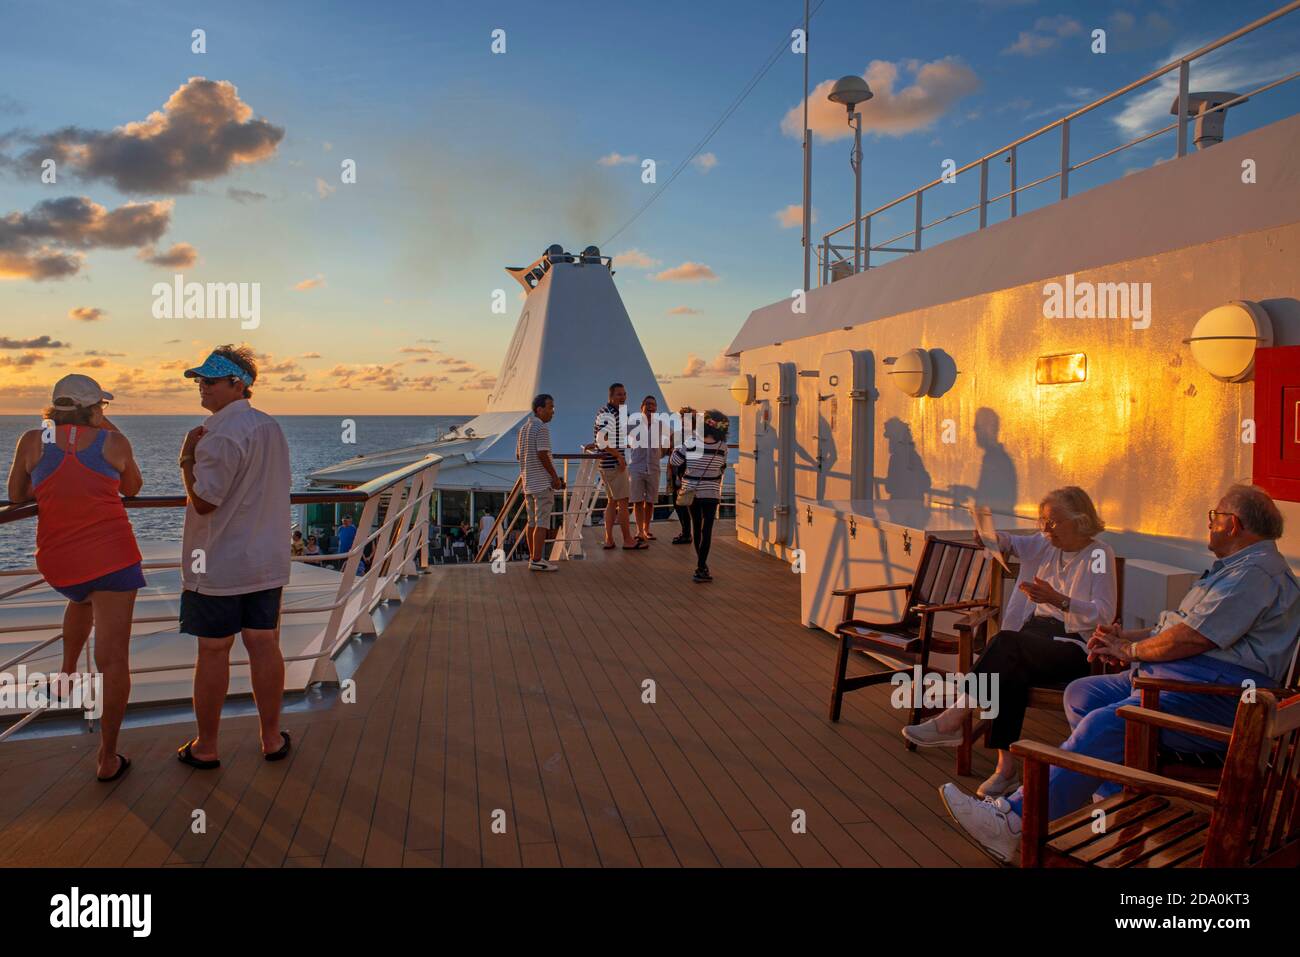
(227, 166)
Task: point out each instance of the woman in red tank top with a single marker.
(77, 467)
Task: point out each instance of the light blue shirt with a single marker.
(1248, 604)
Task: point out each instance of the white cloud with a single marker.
(616, 159)
(705, 162)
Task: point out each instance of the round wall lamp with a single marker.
(913, 372)
(742, 389)
(1224, 340)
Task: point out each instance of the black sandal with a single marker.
(281, 754)
(124, 765)
(185, 754)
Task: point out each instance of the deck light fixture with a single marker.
(1224, 340)
(742, 389)
(1062, 368)
(852, 90)
(913, 372)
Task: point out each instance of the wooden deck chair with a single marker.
(952, 576)
(1251, 820)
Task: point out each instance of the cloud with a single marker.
(245, 196)
(705, 162)
(936, 87)
(482, 381)
(110, 355)
(634, 259)
(1046, 34)
(1148, 109)
(687, 272)
(616, 159)
(792, 216)
(318, 280)
(310, 355)
(683, 311)
(26, 360)
(92, 364)
(323, 189)
(87, 313)
(203, 131)
(47, 242)
(694, 366)
(721, 365)
(40, 342)
(180, 256)
(418, 350)
(294, 377)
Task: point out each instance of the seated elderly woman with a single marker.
(1065, 590)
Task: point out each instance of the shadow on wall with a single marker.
(906, 475)
(1285, 314)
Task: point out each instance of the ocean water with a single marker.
(315, 441)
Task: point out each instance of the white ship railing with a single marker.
(400, 549)
(835, 257)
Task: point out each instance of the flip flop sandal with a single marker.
(124, 765)
(281, 754)
(608, 545)
(633, 547)
(185, 754)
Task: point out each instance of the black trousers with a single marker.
(683, 516)
(1022, 659)
(703, 512)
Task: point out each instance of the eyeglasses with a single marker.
(1047, 524)
(1214, 513)
(205, 380)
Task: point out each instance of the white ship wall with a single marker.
(1152, 436)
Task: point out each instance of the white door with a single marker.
(843, 427)
(807, 465)
(769, 427)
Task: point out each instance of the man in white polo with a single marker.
(235, 553)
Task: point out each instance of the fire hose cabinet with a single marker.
(1276, 462)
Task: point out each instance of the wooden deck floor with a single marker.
(518, 697)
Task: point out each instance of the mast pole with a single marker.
(807, 163)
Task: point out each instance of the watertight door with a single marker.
(763, 495)
(843, 426)
(807, 465)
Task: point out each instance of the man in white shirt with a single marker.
(540, 479)
(235, 552)
(485, 522)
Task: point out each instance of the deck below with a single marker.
(501, 721)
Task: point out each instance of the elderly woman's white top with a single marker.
(1086, 576)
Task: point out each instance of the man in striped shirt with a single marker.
(540, 480)
(611, 440)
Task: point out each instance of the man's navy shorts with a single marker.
(220, 616)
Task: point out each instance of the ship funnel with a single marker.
(1210, 113)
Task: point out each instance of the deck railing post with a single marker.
(916, 241)
(866, 243)
(1183, 79)
(984, 193)
(1014, 195)
(1065, 159)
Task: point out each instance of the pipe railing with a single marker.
(400, 548)
(831, 256)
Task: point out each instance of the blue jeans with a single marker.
(1098, 732)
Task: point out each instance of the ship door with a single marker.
(763, 495)
(843, 426)
(807, 461)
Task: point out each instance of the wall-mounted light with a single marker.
(1058, 369)
(742, 389)
(1224, 340)
(913, 372)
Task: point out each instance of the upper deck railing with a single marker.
(835, 260)
(398, 542)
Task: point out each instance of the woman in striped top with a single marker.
(701, 478)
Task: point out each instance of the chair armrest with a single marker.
(950, 606)
(1173, 722)
(1152, 683)
(842, 592)
(1035, 751)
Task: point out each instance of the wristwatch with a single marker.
(1132, 651)
(183, 459)
(1065, 603)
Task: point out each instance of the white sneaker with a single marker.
(542, 566)
(998, 785)
(990, 824)
(926, 735)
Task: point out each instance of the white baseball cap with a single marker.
(78, 392)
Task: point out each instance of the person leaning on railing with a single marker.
(1236, 627)
(1066, 589)
(77, 469)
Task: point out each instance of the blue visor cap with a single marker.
(218, 367)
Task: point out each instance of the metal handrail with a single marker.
(405, 528)
(827, 249)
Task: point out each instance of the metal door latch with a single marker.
(907, 542)
(808, 514)
(853, 527)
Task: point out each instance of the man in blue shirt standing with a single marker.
(347, 535)
(1238, 625)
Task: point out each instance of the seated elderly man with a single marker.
(1237, 625)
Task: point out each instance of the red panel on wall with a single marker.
(1277, 422)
